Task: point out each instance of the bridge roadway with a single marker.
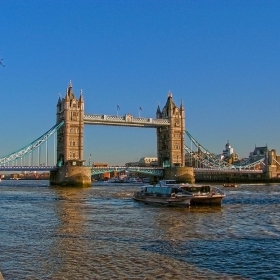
(154, 171)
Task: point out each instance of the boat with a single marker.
(133, 180)
(165, 195)
(230, 185)
(146, 180)
(204, 195)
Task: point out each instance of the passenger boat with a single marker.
(134, 180)
(230, 185)
(204, 195)
(165, 195)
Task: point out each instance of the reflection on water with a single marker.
(101, 233)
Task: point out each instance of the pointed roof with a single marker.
(81, 99)
(59, 100)
(181, 105)
(169, 105)
(158, 109)
(69, 91)
(170, 101)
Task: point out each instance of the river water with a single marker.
(101, 233)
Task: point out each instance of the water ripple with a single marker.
(101, 233)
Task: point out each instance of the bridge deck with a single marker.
(149, 170)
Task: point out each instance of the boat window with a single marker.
(157, 190)
(184, 192)
(170, 182)
(205, 188)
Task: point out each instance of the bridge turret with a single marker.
(58, 107)
(158, 113)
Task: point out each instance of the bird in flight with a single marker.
(1, 62)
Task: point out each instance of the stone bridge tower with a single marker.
(70, 158)
(171, 142)
(70, 136)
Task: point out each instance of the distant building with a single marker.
(147, 161)
(258, 153)
(136, 163)
(229, 155)
(100, 164)
(144, 161)
(228, 150)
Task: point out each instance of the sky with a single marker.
(221, 58)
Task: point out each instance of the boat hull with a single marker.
(168, 201)
(207, 200)
(230, 185)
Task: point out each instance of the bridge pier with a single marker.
(71, 176)
(180, 174)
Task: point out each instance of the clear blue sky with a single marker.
(221, 58)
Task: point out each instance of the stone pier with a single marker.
(72, 176)
(180, 174)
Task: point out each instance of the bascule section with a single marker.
(70, 162)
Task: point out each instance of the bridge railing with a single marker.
(224, 170)
(154, 171)
(26, 168)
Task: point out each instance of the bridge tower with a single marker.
(171, 142)
(70, 137)
(70, 161)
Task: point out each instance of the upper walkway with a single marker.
(126, 120)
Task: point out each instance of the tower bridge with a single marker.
(169, 124)
(69, 164)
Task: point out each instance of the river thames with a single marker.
(102, 233)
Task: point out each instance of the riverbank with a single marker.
(241, 181)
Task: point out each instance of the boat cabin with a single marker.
(164, 183)
(196, 189)
(165, 191)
